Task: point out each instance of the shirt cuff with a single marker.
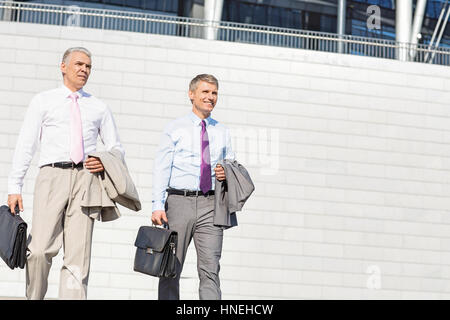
(158, 205)
(14, 189)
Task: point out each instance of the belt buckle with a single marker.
(185, 192)
(196, 193)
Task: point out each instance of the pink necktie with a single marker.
(76, 132)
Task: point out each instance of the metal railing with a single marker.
(75, 16)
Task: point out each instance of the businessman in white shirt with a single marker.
(186, 167)
(65, 122)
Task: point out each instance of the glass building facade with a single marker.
(321, 15)
(154, 6)
(170, 6)
(314, 15)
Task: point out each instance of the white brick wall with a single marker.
(360, 165)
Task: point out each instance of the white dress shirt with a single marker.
(177, 162)
(47, 121)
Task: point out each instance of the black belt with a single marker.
(188, 193)
(64, 165)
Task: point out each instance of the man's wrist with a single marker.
(158, 206)
(13, 189)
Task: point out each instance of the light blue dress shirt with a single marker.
(177, 162)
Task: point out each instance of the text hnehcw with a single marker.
(246, 309)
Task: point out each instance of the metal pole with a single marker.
(103, 20)
(213, 14)
(436, 28)
(444, 23)
(341, 23)
(417, 26)
(403, 15)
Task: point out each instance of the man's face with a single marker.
(204, 97)
(77, 70)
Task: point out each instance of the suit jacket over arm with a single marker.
(114, 185)
(232, 193)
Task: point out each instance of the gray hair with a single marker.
(66, 55)
(203, 77)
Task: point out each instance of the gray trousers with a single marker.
(192, 217)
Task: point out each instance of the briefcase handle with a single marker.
(164, 225)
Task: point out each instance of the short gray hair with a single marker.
(203, 77)
(75, 49)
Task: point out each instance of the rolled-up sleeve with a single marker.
(26, 146)
(229, 153)
(109, 133)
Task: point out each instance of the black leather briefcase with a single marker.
(156, 250)
(13, 238)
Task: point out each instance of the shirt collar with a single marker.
(66, 91)
(197, 121)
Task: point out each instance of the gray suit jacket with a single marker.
(231, 194)
(114, 185)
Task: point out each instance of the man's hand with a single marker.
(94, 165)
(13, 200)
(220, 172)
(158, 216)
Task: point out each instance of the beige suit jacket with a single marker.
(104, 190)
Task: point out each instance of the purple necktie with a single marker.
(205, 167)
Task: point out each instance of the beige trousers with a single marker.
(59, 221)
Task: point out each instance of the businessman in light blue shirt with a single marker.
(190, 147)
